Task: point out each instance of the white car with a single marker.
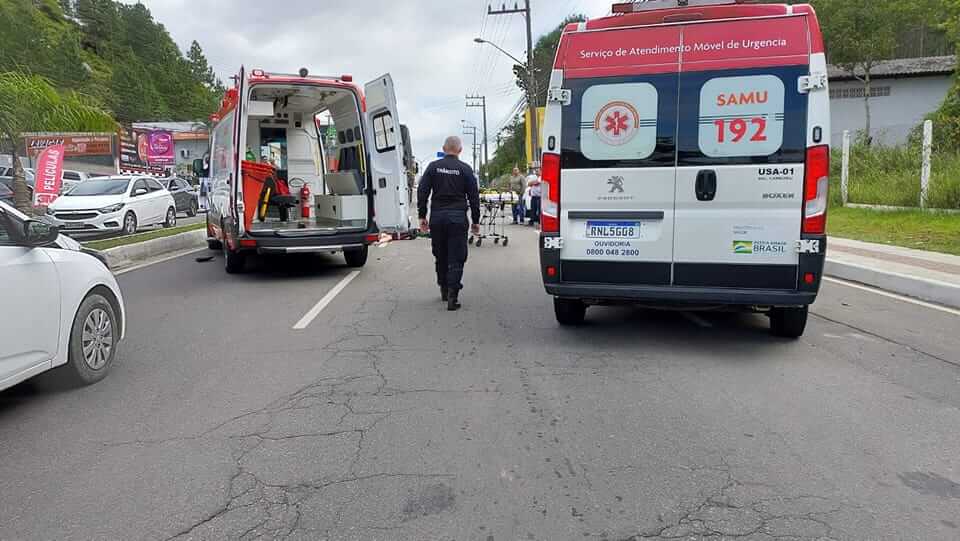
(112, 204)
(71, 179)
(62, 308)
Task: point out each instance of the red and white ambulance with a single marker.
(305, 164)
(685, 160)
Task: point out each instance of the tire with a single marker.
(193, 209)
(129, 223)
(788, 322)
(171, 219)
(356, 257)
(569, 311)
(94, 337)
(479, 242)
(505, 242)
(233, 261)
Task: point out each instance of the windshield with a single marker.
(100, 187)
(71, 175)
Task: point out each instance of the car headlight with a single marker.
(111, 208)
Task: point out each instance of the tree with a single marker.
(199, 67)
(31, 103)
(544, 53)
(860, 33)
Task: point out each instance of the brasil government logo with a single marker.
(616, 123)
(743, 246)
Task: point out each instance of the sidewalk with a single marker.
(928, 276)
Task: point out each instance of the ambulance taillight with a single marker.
(550, 193)
(816, 185)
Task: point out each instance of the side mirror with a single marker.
(139, 191)
(37, 233)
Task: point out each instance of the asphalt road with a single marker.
(390, 418)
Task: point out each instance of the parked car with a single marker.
(29, 174)
(113, 204)
(184, 194)
(6, 194)
(71, 179)
(64, 312)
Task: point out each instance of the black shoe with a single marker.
(444, 294)
(453, 303)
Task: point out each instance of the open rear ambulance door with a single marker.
(386, 157)
(233, 219)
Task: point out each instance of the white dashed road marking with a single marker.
(308, 318)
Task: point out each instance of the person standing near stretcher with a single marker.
(518, 185)
(452, 188)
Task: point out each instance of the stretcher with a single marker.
(493, 218)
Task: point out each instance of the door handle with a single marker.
(706, 185)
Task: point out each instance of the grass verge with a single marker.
(891, 176)
(141, 237)
(911, 229)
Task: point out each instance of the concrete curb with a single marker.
(123, 256)
(925, 289)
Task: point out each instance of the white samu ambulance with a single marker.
(685, 160)
(305, 164)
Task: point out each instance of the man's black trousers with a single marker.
(448, 234)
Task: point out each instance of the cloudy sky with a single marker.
(426, 45)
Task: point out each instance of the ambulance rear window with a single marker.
(620, 122)
(747, 116)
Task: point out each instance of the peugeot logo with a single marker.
(616, 184)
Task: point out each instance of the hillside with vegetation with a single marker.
(115, 54)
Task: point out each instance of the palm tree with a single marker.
(30, 103)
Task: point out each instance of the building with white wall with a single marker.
(903, 92)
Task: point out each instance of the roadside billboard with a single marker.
(147, 151)
(88, 144)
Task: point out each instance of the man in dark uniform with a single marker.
(451, 187)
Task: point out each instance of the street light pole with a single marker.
(531, 83)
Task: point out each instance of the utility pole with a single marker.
(472, 102)
(472, 130)
(531, 82)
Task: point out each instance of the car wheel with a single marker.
(356, 257)
(569, 311)
(233, 261)
(130, 223)
(94, 337)
(789, 322)
(171, 219)
(192, 210)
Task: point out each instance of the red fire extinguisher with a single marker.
(306, 207)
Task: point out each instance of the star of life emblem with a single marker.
(617, 123)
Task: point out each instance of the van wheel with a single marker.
(233, 261)
(192, 209)
(569, 311)
(356, 257)
(788, 322)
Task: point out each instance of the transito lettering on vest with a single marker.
(448, 171)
